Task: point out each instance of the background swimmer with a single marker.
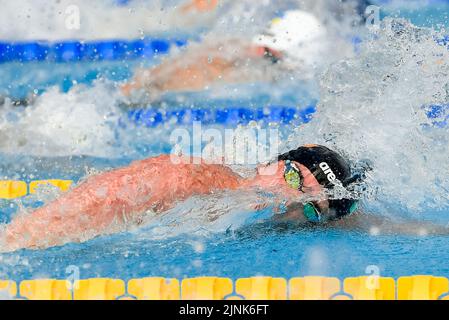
(224, 56)
(295, 42)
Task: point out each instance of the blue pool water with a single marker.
(248, 253)
(252, 249)
(177, 246)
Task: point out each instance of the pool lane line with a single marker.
(418, 287)
(73, 51)
(108, 50)
(153, 117)
(14, 189)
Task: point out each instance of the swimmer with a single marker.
(292, 45)
(292, 41)
(111, 201)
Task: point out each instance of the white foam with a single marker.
(104, 19)
(371, 107)
(79, 122)
(99, 19)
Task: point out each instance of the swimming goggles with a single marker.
(295, 180)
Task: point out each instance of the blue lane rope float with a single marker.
(231, 116)
(438, 114)
(228, 116)
(71, 51)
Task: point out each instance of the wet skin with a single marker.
(187, 74)
(108, 202)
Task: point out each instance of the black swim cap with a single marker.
(327, 166)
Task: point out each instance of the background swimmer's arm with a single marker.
(182, 73)
(375, 224)
(197, 68)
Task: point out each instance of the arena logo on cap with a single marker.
(328, 171)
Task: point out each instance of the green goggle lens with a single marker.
(354, 207)
(293, 180)
(311, 213)
(292, 176)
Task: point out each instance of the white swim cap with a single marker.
(298, 34)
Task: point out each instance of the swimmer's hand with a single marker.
(287, 211)
(143, 78)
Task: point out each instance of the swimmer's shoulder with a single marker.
(156, 161)
(176, 161)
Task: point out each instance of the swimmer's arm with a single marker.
(102, 204)
(369, 223)
(107, 202)
(377, 225)
(294, 213)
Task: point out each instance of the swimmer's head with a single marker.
(298, 35)
(328, 169)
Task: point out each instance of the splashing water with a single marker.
(101, 19)
(246, 17)
(204, 216)
(372, 107)
(84, 121)
(79, 122)
(104, 19)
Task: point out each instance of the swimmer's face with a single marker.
(272, 176)
(310, 185)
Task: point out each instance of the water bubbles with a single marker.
(197, 263)
(422, 232)
(374, 231)
(198, 247)
(372, 106)
(64, 124)
(315, 261)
